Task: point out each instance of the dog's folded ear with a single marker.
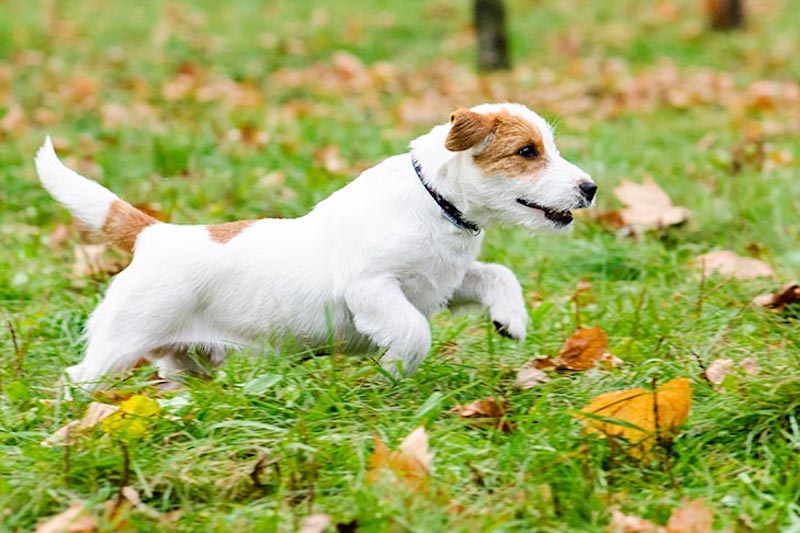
(468, 129)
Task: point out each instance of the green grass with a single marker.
(316, 423)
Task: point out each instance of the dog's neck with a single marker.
(441, 169)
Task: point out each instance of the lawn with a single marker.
(220, 111)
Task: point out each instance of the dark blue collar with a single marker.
(449, 211)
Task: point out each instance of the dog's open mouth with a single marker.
(562, 218)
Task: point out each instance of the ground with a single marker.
(220, 111)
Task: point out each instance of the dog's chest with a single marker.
(434, 273)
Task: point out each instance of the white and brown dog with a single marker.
(366, 267)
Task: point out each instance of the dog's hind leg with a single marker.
(383, 313)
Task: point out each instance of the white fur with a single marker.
(368, 265)
(88, 200)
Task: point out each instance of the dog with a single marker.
(365, 268)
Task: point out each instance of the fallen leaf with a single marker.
(316, 523)
(631, 414)
(96, 260)
(75, 519)
(750, 366)
(65, 436)
(647, 206)
(132, 419)
(622, 523)
(330, 159)
(583, 349)
(718, 369)
(777, 301)
(727, 263)
(487, 412)
(691, 517)
(410, 463)
(529, 376)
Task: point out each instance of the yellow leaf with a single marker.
(637, 415)
(133, 418)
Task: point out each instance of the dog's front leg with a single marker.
(496, 288)
(383, 313)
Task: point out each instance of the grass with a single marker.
(315, 423)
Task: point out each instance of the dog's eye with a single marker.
(528, 152)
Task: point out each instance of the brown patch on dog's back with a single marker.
(123, 224)
(500, 158)
(222, 233)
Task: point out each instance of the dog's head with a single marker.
(510, 169)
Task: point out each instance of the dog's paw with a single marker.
(511, 326)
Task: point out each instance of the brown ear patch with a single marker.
(500, 158)
(222, 233)
(123, 224)
(468, 129)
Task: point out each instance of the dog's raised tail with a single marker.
(97, 208)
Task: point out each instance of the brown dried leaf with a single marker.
(410, 463)
(75, 519)
(14, 121)
(487, 412)
(647, 206)
(96, 260)
(777, 301)
(727, 263)
(530, 376)
(330, 159)
(622, 523)
(95, 413)
(691, 517)
(583, 349)
(718, 369)
(750, 366)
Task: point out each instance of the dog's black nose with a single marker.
(588, 189)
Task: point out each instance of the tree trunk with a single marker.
(725, 14)
(490, 25)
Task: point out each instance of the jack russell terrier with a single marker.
(366, 267)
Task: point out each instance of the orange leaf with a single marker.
(410, 463)
(583, 349)
(637, 415)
